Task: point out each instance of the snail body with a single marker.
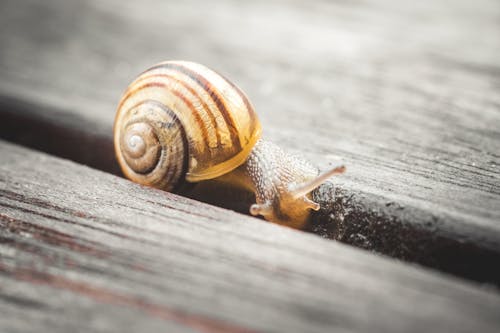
(181, 121)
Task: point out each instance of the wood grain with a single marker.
(405, 94)
(82, 250)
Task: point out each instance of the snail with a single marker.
(180, 121)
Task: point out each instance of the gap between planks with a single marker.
(348, 214)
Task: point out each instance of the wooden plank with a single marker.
(104, 254)
(389, 89)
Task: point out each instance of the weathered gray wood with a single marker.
(81, 250)
(406, 94)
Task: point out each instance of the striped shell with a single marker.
(182, 120)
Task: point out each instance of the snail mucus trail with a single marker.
(181, 121)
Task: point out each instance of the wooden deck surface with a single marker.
(406, 95)
(390, 90)
(86, 251)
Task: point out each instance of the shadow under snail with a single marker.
(181, 121)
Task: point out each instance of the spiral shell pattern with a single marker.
(182, 120)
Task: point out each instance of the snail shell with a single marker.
(181, 120)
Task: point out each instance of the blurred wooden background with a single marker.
(406, 94)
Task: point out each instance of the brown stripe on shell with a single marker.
(250, 110)
(208, 87)
(134, 89)
(199, 121)
(171, 173)
(171, 177)
(193, 92)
